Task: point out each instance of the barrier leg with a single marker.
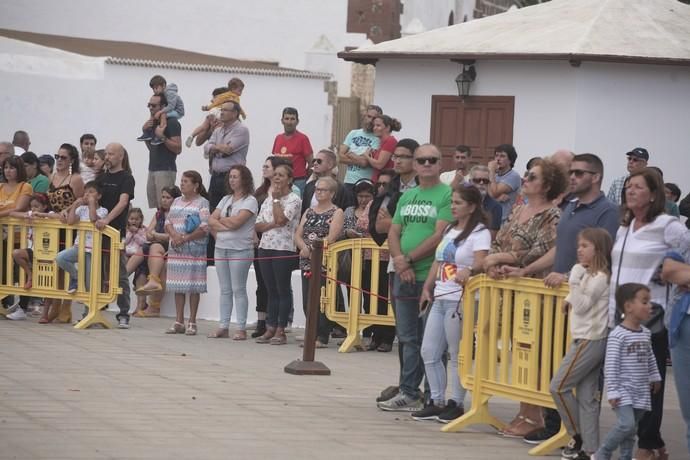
(556, 441)
(94, 316)
(477, 415)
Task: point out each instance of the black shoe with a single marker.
(430, 412)
(540, 436)
(144, 137)
(156, 141)
(573, 449)
(388, 393)
(451, 412)
(260, 328)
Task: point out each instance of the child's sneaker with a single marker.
(189, 141)
(72, 286)
(157, 141)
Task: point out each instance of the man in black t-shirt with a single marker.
(162, 156)
(117, 184)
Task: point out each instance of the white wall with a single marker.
(57, 110)
(544, 107)
(269, 30)
(620, 107)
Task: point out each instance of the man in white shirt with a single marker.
(461, 173)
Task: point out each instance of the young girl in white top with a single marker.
(630, 373)
(580, 369)
(459, 255)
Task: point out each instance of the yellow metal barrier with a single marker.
(521, 338)
(353, 317)
(45, 272)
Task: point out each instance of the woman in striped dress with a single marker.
(187, 226)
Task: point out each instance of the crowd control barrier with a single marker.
(521, 337)
(48, 237)
(345, 262)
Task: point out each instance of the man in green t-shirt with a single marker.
(420, 218)
(39, 182)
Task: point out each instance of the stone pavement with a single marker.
(140, 394)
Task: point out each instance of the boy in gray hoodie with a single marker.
(174, 108)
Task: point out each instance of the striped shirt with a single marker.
(630, 367)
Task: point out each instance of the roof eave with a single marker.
(278, 72)
(363, 57)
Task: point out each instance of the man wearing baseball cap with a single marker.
(637, 159)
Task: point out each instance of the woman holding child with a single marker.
(187, 229)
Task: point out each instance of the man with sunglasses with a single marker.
(479, 177)
(637, 160)
(422, 215)
(322, 166)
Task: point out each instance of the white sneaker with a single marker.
(189, 141)
(17, 315)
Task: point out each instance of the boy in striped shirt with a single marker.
(630, 370)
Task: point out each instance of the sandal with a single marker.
(525, 427)
(279, 339)
(177, 328)
(240, 335)
(191, 329)
(267, 336)
(220, 333)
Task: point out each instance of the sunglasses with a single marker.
(61, 157)
(529, 177)
(382, 184)
(425, 160)
(579, 172)
(481, 181)
(317, 161)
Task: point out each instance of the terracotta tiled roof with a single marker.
(141, 54)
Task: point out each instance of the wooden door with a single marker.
(480, 122)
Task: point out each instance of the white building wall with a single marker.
(270, 30)
(544, 98)
(113, 107)
(623, 106)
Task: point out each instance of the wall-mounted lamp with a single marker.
(465, 79)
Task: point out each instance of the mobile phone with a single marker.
(423, 308)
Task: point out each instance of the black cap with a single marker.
(639, 152)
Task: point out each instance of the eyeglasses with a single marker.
(325, 190)
(61, 157)
(425, 160)
(317, 161)
(402, 157)
(579, 172)
(529, 177)
(481, 180)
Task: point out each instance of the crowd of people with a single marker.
(625, 255)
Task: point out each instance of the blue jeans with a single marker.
(232, 278)
(622, 434)
(277, 275)
(67, 260)
(409, 328)
(443, 331)
(680, 357)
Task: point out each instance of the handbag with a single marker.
(655, 324)
(191, 222)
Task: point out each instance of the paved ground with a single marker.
(110, 394)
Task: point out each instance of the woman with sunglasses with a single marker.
(232, 225)
(66, 185)
(524, 237)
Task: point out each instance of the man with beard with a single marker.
(358, 142)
